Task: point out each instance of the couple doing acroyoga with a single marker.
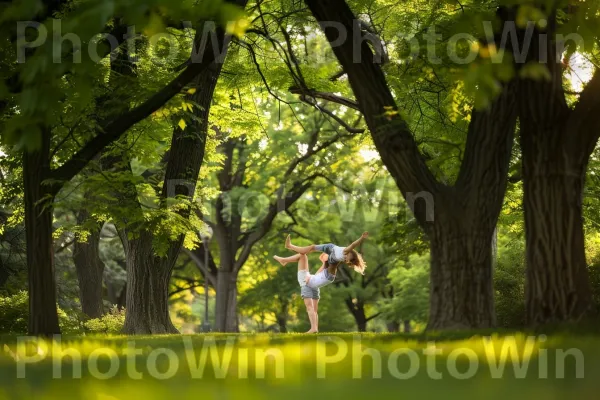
(331, 258)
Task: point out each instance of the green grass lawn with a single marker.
(294, 366)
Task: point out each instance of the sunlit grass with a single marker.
(296, 366)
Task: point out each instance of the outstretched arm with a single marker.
(356, 243)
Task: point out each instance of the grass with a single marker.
(296, 366)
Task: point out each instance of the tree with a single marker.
(90, 268)
(558, 134)
(42, 180)
(464, 215)
(149, 271)
(236, 223)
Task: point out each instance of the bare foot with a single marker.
(280, 260)
(288, 242)
(312, 331)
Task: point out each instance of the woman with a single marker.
(337, 254)
(310, 284)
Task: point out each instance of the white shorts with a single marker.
(302, 277)
(320, 279)
(305, 291)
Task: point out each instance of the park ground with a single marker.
(296, 366)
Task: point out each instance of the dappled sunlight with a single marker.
(579, 72)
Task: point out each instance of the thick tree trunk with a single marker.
(148, 277)
(556, 143)
(43, 317)
(557, 286)
(406, 324)
(89, 267)
(461, 292)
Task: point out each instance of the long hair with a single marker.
(357, 262)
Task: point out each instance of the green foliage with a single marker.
(509, 280)
(111, 322)
(14, 311)
(14, 315)
(410, 282)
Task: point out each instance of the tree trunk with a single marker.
(89, 267)
(556, 141)
(357, 309)
(282, 317)
(393, 326)
(557, 286)
(147, 309)
(461, 293)
(221, 299)
(494, 249)
(148, 277)
(232, 324)
(43, 317)
(361, 324)
(226, 302)
(406, 324)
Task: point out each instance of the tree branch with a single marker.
(373, 316)
(585, 118)
(329, 113)
(112, 130)
(331, 97)
(391, 133)
(209, 271)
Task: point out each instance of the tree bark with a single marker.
(43, 317)
(221, 299)
(461, 293)
(557, 285)
(406, 324)
(282, 317)
(556, 143)
(226, 301)
(148, 277)
(232, 323)
(89, 267)
(361, 324)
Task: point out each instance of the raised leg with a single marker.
(284, 260)
(298, 249)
